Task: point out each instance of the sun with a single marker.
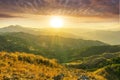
(56, 22)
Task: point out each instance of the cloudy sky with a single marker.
(99, 14)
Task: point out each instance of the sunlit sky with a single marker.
(89, 14)
(43, 21)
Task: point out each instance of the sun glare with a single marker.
(56, 22)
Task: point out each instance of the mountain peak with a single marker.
(14, 26)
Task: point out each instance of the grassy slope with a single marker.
(111, 72)
(28, 66)
(97, 61)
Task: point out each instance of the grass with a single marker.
(23, 66)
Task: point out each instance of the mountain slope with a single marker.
(111, 72)
(28, 66)
(98, 50)
(95, 62)
(49, 46)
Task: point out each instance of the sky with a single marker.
(92, 14)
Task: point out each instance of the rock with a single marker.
(59, 77)
(6, 77)
(83, 77)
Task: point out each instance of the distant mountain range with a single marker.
(110, 37)
(17, 28)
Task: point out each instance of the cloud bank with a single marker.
(104, 8)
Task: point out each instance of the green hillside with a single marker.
(111, 72)
(97, 50)
(49, 46)
(97, 61)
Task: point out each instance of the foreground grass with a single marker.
(22, 66)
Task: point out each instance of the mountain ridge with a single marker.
(49, 46)
(106, 36)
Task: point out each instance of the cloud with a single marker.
(105, 8)
(7, 16)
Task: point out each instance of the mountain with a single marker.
(69, 57)
(110, 37)
(30, 68)
(110, 72)
(95, 62)
(17, 28)
(56, 44)
(33, 67)
(37, 31)
(49, 46)
(106, 36)
(98, 50)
